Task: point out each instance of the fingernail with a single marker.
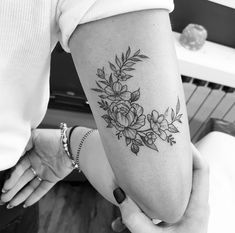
(9, 206)
(4, 191)
(119, 195)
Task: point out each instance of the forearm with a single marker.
(93, 161)
(156, 173)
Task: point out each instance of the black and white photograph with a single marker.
(117, 116)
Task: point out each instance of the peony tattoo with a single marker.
(125, 115)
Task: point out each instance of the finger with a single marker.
(41, 190)
(199, 162)
(24, 179)
(25, 192)
(16, 174)
(132, 216)
(135, 220)
(117, 225)
(200, 187)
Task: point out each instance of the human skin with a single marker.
(196, 216)
(159, 180)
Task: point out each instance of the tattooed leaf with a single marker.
(171, 140)
(134, 59)
(107, 118)
(117, 61)
(104, 105)
(111, 79)
(137, 53)
(112, 66)
(135, 148)
(172, 115)
(172, 128)
(128, 76)
(129, 64)
(152, 146)
(123, 57)
(97, 90)
(129, 69)
(143, 56)
(104, 82)
(128, 141)
(139, 142)
(103, 96)
(98, 85)
(178, 107)
(178, 118)
(135, 95)
(128, 52)
(166, 112)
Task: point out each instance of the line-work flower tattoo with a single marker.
(124, 113)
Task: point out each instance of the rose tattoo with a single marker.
(124, 114)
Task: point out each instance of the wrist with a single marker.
(79, 144)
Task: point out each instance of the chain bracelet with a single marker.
(80, 146)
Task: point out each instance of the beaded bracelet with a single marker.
(64, 140)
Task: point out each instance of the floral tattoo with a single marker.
(124, 113)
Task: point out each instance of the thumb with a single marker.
(117, 225)
(134, 219)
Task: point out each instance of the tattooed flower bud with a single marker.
(150, 138)
(135, 148)
(126, 117)
(158, 124)
(100, 73)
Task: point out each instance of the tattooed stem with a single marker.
(145, 131)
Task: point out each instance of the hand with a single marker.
(46, 158)
(195, 219)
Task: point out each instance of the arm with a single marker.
(195, 219)
(154, 173)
